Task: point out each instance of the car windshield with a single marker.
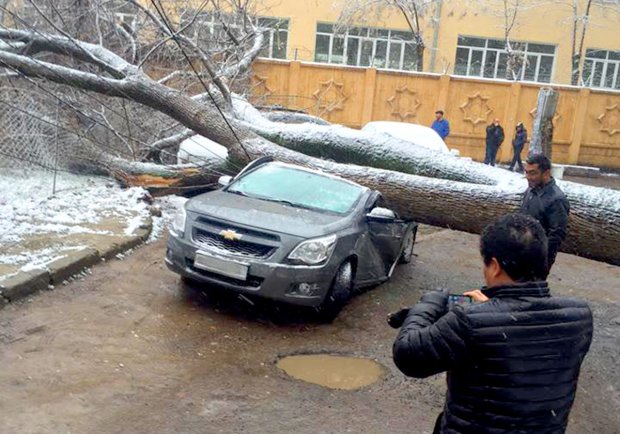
(298, 188)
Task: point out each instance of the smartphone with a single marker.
(459, 300)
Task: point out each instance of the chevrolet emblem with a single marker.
(230, 235)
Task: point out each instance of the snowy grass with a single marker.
(80, 206)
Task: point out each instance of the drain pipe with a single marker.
(437, 21)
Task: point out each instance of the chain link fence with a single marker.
(29, 133)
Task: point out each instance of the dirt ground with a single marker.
(132, 350)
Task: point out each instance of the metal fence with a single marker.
(29, 132)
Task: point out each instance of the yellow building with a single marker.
(466, 39)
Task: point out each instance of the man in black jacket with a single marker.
(512, 358)
(494, 139)
(544, 201)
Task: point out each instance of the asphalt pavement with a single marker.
(130, 349)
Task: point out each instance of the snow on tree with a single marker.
(430, 187)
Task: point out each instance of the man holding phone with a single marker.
(513, 357)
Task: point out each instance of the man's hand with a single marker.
(477, 295)
(396, 319)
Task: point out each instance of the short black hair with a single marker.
(439, 111)
(544, 163)
(519, 244)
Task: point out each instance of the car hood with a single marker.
(262, 214)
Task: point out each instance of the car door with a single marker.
(382, 242)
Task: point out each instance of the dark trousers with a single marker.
(437, 429)
(491, 154)
(516, 158)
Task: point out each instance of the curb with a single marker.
(27, 283)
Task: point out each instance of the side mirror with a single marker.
(381, 214)
(224, 180)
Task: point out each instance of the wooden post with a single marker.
(578, 126)
(370, 79)
(510, 122)
(294, 69)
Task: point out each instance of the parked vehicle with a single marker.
(418, 135)
(199, 150)
(291, 234)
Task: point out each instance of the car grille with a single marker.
(239, 247)
(218, 225)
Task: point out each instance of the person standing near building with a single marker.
(517, 146)
(441, 125)
(544, 201)
(494, 139)
(513, 357)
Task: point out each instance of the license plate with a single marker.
(225, 267)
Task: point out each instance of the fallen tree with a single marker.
(431, 188)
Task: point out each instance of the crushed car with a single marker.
(291, 234)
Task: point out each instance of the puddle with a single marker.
(334, 372)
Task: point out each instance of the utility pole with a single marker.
(542, 131)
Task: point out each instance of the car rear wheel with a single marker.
(339, 293)
(407, 253)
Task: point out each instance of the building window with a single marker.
(276, 38)
(601, 68)
(480, 57)
(127, 20)
(211, 33)
(365, 46)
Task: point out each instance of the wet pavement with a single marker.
(130, 349)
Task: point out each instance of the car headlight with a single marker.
(178, 224)
(314, 251)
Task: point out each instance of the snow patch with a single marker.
(169, 206)
(27, 208)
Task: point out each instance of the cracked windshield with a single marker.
(298, 188)
(310, 216)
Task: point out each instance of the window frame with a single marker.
(362, 35)
(486, 49)
(607, 62)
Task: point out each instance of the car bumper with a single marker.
(275, 281)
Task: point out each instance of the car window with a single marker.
(298, 188)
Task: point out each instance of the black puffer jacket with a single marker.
(513, 361)
(550, 207)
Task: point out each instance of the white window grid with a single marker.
(276, 27)
(208, 21)
(130, 20)
(389, 40)
(502, 54)
(608, 67)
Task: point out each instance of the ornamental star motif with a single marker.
(610, 120)
(476, 109)
(556, 116)
(404, 103)
(330, 96)
(260, 90)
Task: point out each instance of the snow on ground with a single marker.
(81, 204)
(169, 206)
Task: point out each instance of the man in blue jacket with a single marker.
(441, 125)
(513, 357)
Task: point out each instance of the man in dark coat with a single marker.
(517, 146)
(513, 357)
(544, 201)
(495, 138)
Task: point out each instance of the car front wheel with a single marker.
(339, 293)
